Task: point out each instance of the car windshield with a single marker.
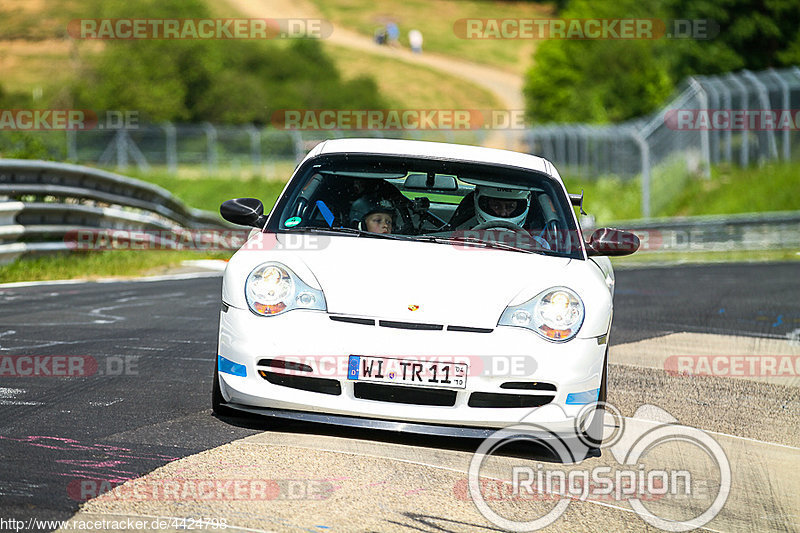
(444, 202)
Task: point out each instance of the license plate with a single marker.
(407, 372)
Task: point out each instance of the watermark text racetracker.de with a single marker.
(768, 366)
(398, 119)
(67, 366)
(649, 465)
(584, 29)
(199, 28)
(95, 240)
(66, 120)
(200, 489)
(733, 119)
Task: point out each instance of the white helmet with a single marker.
(495, 203)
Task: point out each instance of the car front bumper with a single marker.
(565, 374)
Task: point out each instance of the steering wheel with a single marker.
(510, 226)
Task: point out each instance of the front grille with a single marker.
(407, 395)
(490, 399)
(321, 385)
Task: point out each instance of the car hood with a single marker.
(426, 282)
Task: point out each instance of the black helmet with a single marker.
(368, 205)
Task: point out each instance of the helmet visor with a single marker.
(502, 207)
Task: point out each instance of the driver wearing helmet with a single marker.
(373, 214)
(497, 204)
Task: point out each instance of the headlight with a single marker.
(272, 289)
(556, 314)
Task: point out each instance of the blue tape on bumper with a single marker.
(580, 398)
(229, 367)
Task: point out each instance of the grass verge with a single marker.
(730, 256)
(730, 190)
(207, 192)
(94, 265)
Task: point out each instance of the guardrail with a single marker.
(41, 201)
(714, 233)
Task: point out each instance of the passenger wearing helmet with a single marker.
(372, 214)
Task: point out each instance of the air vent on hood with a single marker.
(528, 385)
(353, 320)
(397, 324)
(468, 329)
(409, 325)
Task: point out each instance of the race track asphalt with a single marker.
(149, 347)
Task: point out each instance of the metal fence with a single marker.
(218, 148)
(695, 130)
(658, 149)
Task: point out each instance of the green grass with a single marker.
(728, 256)
(94, 265)
(435, 19)
(773, 187)
(730, 190)
(205, 192)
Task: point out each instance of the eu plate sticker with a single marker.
(352, 366)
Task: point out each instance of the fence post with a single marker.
(299, 149)
(744, 155)
(211, 142)
(764, 97)
(784, 107)
(72, 146)
(120, 140)
(255, 147)
(572, 148)
(533, 142)
(170, 148)
(704, 150)
(713, 103)
(645, 161)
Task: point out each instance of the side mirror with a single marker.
(612, 242)
(243, 211)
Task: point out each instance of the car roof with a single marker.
(428, 149)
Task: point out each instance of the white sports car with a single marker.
(420, 287)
